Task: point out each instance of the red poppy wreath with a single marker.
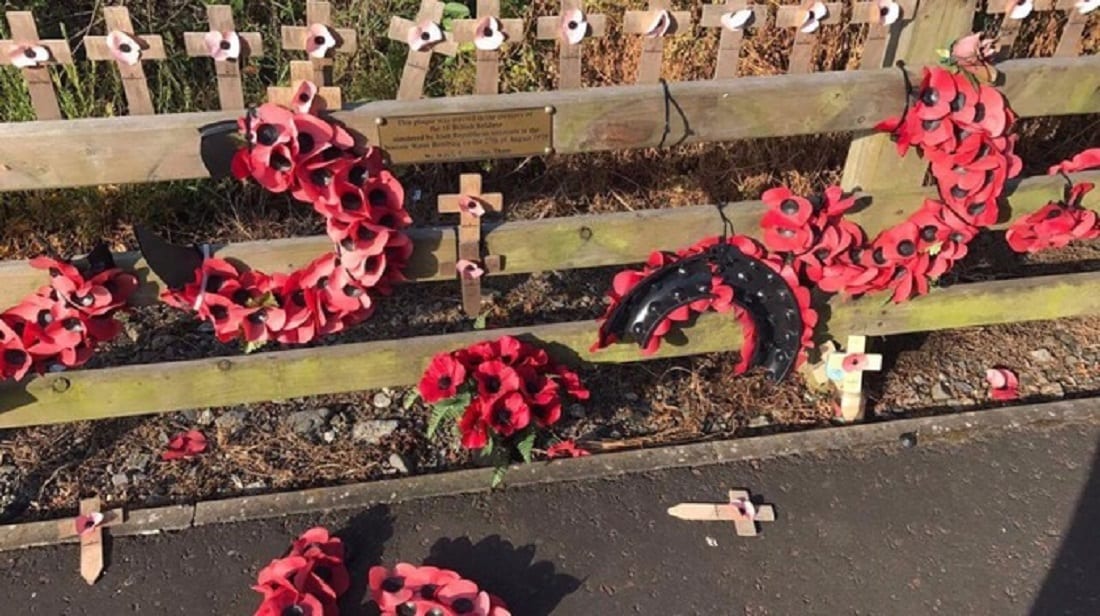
(318, 162)
(60, 325)
(963, 128)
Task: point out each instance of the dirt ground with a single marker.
(356, 437)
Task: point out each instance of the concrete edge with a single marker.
(877, 434)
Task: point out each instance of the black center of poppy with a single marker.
(352, 291)
(318, 40)
(1055, 213)
(928, 233)
(976, 208)
(323, 572)
(44, 318)
(320, 177)
(533, 386)
(930, 96)
(957, 237)
(444, 382)
(406, 609)
(388, 220)
(225, 45)
(958, 192)
(85, 301)
(984, 150)
(72, 324)
(293, 610)
(280, 162)
(322, 282)
(487, 32)
(125, 48)
(435, 611)
(351, 201)
(347, 244)
(298, 298)
(906, 248)
(330, 154)
(15, 357)
(357, 175)
(241, 296)
(855, 255)
(425, 36)
(492, 384)
(462, 606)
(883, 11)
(304, 96)
(28, 52)
(979, 112)
(306, 142)
(219, 313)
(393, 584)
(572, 25)
(503, 417)
(789, 207)
(213, 283)
(821, 254)
(879, 257)
(930, 124)
(365, 234)
(259, 317)
(267, 134)
(377, 197)
(54, 272)
(958, 102)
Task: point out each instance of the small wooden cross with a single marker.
(24, 34)
(230, 90)
(92, 558)
(418, 62)
(319, 13)
(740, 510)
(488, 60)
(302, 71)
(846, 371)
(138, 99)
(729, 42)
(468, 200)
(554, 27)
(794, 16)
(653, 47)
(877, 44)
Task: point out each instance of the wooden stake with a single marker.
(729, 42)
(297, 38)
(653, 47)
(744, 525)
(569, 55)
(92, 558)
(1069, 45)
(488, 61)
(418, 62)
(794, 16)
(138, 99)
(849, 378)
(230, 89)
(327, 97)
(24, 33)
(469, 234)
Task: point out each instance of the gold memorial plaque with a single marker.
(475, 135)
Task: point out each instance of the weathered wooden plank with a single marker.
(159, 148)
(139, 390)
(564, 243)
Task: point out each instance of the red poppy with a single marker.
(316, 182)
(495, 378)
(1003, 384)
(786, 223)
(1055, 225)
(185, 445)
(983, 109)
(326, 555)
(836, 203)
(571, 381)
(910, 278)
(509, 414)
(303, 575)
(442, 379)
(16, 361)
(283, 600)
(536, 387)
(854, 362)
(464, 597)
(271, 167)
(390, 589)
(833, 242)
(59, 332)
(565, 449)
(897, 244)
(268, 125)
(1088, 159)
(474, 425)
(937, 94)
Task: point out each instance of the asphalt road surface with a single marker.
(1002, 524)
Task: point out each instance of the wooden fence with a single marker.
(147, 148)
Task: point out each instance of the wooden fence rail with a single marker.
(54, 154)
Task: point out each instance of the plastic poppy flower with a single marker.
(973, 53)
(85, 524)
(185, 445)
(910, 278)
(271, 167)
(423, 35)
(222, 46)
(849, 274)
(509, 414)
(786, 223)
(59, 332)
(404, 583)
(937, 92)
(304, 97)
(565, 449)
(442, 379)
(835, 241)
(468, 270)
(28, 56)
(1055, 225)
(306, 575)
(980, 109)
(474, 425)
(284, 600)
(854, 362)
(489, 34)
(574, 26)
(884, 12)
(571, 382)
(124, 49)
(15, 361)
(1003, 384)
(1085, 7)
(471, 206)
(658, 25)
(319, 41)
(1088, 159)
(812, 14)
(897, 244)
(1019, 9)
(495, 379)
(537, 387)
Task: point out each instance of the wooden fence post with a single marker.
(873, 162)
(488, 60)
(24, 33)
(554, 27)
(230, 89)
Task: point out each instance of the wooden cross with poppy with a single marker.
(807, 18)
(487, 33)
(569, 29)
(226, 47)
(32, 55)
(89, 527)
(740, 509)
(303, 94)
(128, 50)
(319, 39)
(471, 204)
(846, 371)
(424, 37)
(655, 24)
(885, 19)
(732, 17)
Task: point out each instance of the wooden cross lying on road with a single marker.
(24, 37)
(740, 510)
(138, 99)
(89, 527)
(220, 16)
(570, 32)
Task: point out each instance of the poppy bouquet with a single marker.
(308, 581)
(408, 590)
(318, 162)
(500, 395)
(60, 324)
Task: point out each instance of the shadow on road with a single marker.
(1072, 585)
(364, 536)
(528, 587)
